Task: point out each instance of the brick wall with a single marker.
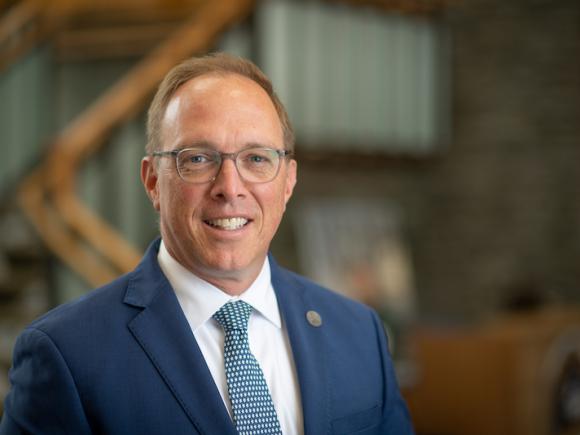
(502, 204)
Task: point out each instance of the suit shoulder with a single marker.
(83, 309)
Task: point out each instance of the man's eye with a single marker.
(198, 158)
(195, 159)
(256, 158)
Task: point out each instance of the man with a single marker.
(208, 335)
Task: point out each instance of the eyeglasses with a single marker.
(201, 165)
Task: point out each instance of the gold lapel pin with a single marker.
(314, 318)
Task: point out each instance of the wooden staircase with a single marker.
(79, 237)
(150, 37)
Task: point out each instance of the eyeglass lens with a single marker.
(256, 165)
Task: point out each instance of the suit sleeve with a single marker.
(397, 420)
(43, 398)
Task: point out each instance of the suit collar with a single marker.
(308, 347)
(165, 336)
(201, 299)
(147, 279)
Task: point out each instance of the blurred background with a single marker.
(439, 182)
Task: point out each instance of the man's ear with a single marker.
(291, 171)
(149, 179)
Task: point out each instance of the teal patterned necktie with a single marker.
(252, 406)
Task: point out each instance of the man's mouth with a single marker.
(228, 224)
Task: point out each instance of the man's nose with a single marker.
(228, 184)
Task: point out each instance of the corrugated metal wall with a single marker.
(356, 78)
(26, 113)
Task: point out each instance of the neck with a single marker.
(232, 281)
(232, 287)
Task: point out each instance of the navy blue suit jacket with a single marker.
(123, 360)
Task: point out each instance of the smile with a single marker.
(228, 224)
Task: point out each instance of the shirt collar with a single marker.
(200, 300)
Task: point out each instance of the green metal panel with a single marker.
(352, 76)
(81, 83)
(26, 118)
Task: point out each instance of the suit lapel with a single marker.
(308, 348)
(164, 334)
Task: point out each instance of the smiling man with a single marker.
(208, 335)
(222, 201)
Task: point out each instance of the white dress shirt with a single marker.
(267, 334)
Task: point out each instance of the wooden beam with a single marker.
(105, 42)
(84, 135)
(410, 7)
(57, 236)
(17, 17)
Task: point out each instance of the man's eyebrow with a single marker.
(258, 145)
(197, 144)
(206, 144)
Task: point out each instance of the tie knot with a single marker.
(234, 315)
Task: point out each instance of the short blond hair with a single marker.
(216, 63)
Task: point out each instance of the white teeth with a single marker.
(229, 224)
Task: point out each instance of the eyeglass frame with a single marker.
(282, 154)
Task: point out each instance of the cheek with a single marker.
(179, 201)
(273, 207)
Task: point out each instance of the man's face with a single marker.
(225, 113)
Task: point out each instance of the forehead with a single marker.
(232, 101)
(227, 89)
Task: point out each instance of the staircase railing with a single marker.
(80, 238)
(27, 23)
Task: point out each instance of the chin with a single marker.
(229, 263)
